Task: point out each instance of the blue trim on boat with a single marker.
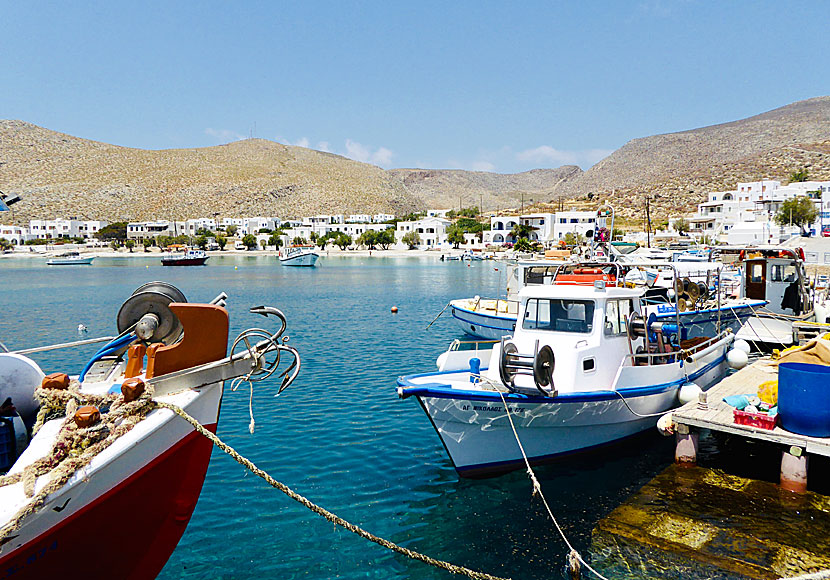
(444, 391)
(454, 308)
(508, 328)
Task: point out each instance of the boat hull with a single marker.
(185, 262)
(475, 430)
(138, 502)
(69, 261)
(304, 260)
(489, 326)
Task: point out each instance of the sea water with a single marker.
(339, 435)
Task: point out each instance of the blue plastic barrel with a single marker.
(804, 398)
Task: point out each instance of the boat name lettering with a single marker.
(492, 408)
(36, 555)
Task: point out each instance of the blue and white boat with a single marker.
(70, 259)
(299, 256)
(587, 366)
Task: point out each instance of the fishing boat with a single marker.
(70, 259)
(695, 288)
(775, 274)
(299, 255)
(590, 364)
(184, 257)
(111, 461)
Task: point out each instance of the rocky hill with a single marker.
(446, 188)
(59, 175)
(678, 169)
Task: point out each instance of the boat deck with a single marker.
(719, 415)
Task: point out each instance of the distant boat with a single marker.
(299, 256)
(69, 259)
(185, 258)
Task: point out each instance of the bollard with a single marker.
(685, 453)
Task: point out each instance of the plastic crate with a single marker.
(760, 420)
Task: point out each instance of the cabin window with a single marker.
(783, 273)
(617, 313)
(756, 273)
(559, 315)
(588, 364)
(539, 274)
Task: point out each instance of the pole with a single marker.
(648, 226)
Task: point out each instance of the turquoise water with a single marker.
(339, 435)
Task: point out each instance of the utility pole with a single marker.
(648, 226)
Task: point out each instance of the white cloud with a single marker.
(482, 166)
(546, 154)
(381, 156)
(224, 135)
(324, 147)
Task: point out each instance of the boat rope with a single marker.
(537, 490)
(335, 519)
(439, 315)
(74, 446)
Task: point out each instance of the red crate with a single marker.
(760, 420)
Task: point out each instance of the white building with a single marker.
(500, 228)
(63, 228)
(16, 235)
(154, 229)
(439, 213)
(359, 218)
(432, 231)
(253, 225)
(379, 218)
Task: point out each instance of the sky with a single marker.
(489, 86)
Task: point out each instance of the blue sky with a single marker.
(492, 86)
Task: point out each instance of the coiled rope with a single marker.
(335, 519)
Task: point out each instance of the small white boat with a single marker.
(587, 366)
(299, 256)
(70, 259)
(120, 469)
(186, 257)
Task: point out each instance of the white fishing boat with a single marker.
(70, 259)
(776, 275)
(694, 287)
(184, 256)
(587, 366)
(299, 256)
(107, 461)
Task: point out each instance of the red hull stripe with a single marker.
(128, 532)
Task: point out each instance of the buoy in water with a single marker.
(736, 359)
(82, 328)
(394, 310)
(235, 267)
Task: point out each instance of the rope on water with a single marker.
(537, 490)
(248, 464)
(439, 315)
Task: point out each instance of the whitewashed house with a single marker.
(431, 230)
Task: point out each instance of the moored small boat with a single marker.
(588, 365)
(299, 255)
(70, 259)
(107, 462)
(188, 257)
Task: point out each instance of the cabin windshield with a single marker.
(559, 315)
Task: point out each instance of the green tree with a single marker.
(523, 245)
(343, 240)
(201, 241)
(574, 239)
(262, 244)
(115, 231)
(115, 244)
(275, 240)
(130, 245)
(385, 238)
(799, 175)
(313, 236)
(411, 239)
(221, 241)
(299, 241)
(249, 240)
(231, 230)
(455, 235)
(147, 243)
(265, 231)
(681, 226)
(204, 232)
(368, 239)
(522, 231)
(799, 211)
(5, 244)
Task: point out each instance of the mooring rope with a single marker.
(335, 519)
(537, 489)
(439, 315)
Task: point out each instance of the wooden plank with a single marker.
(719, 416)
